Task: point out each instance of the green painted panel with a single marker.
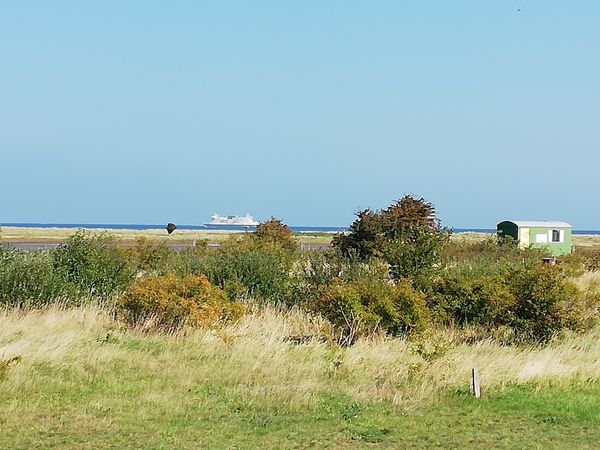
(555, 248)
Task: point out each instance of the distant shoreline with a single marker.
(182, 237)
(49, 235)
(225, 228)
(155, 227)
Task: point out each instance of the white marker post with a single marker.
(475, 383)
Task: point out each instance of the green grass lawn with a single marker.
(69, 410)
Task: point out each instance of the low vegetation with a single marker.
(78, 378)
(168, 302)
(395, 271)
(360, 339)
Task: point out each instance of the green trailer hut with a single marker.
(552, 235)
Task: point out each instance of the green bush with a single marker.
(261, 268)
(542, 298)
(466, 298)
(148, 256)
(315, 269)
(488, 256)
(406, 235)
(171, 301)
(361, 307)
(364, 238)
(583, 259)
(414, 255)
(29, 279)
(274, 231)
(93, 263)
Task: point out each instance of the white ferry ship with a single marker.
(236, 221)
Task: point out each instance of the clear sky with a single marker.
(156, 111)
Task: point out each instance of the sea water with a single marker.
(304, 228)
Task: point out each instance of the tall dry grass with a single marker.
(274, 357)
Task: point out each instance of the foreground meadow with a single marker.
(76, 378)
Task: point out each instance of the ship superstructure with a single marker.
(236, 221)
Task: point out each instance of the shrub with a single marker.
(536, 301)
(465, 297)
(406, 235)
(149, 256)
(574, 264)
(488, 255)
(364, 237)
(314, 270)
(592, 260)
(584, 259)
(260, 268)
(263, 269)
(93, 263)
(364, 306)
(542, 298)
(274, 231)
(414, 255)
(172, 301)
(190, 260)
(29, 279)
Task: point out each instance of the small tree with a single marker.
(408, 213)
(274, 231)
(364, 238)
(406, 235)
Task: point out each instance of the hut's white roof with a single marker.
(539, 223)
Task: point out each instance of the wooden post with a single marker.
(475, 383)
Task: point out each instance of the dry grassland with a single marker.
(261, 358)
(179, 237)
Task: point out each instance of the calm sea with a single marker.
(113, 226)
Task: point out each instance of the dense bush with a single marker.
(406, 235)
(171, 301)
(535, 300)
(364, 238)
(93, 263)
(275, 232)
(414, 255)
(243, 265)
(542, 296)
(465, 298)
(29, 279)
(148, 256)
(364, 306)
(317, 269)
(583, 259)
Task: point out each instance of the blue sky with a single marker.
(148, 111)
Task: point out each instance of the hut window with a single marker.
(555, 236)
